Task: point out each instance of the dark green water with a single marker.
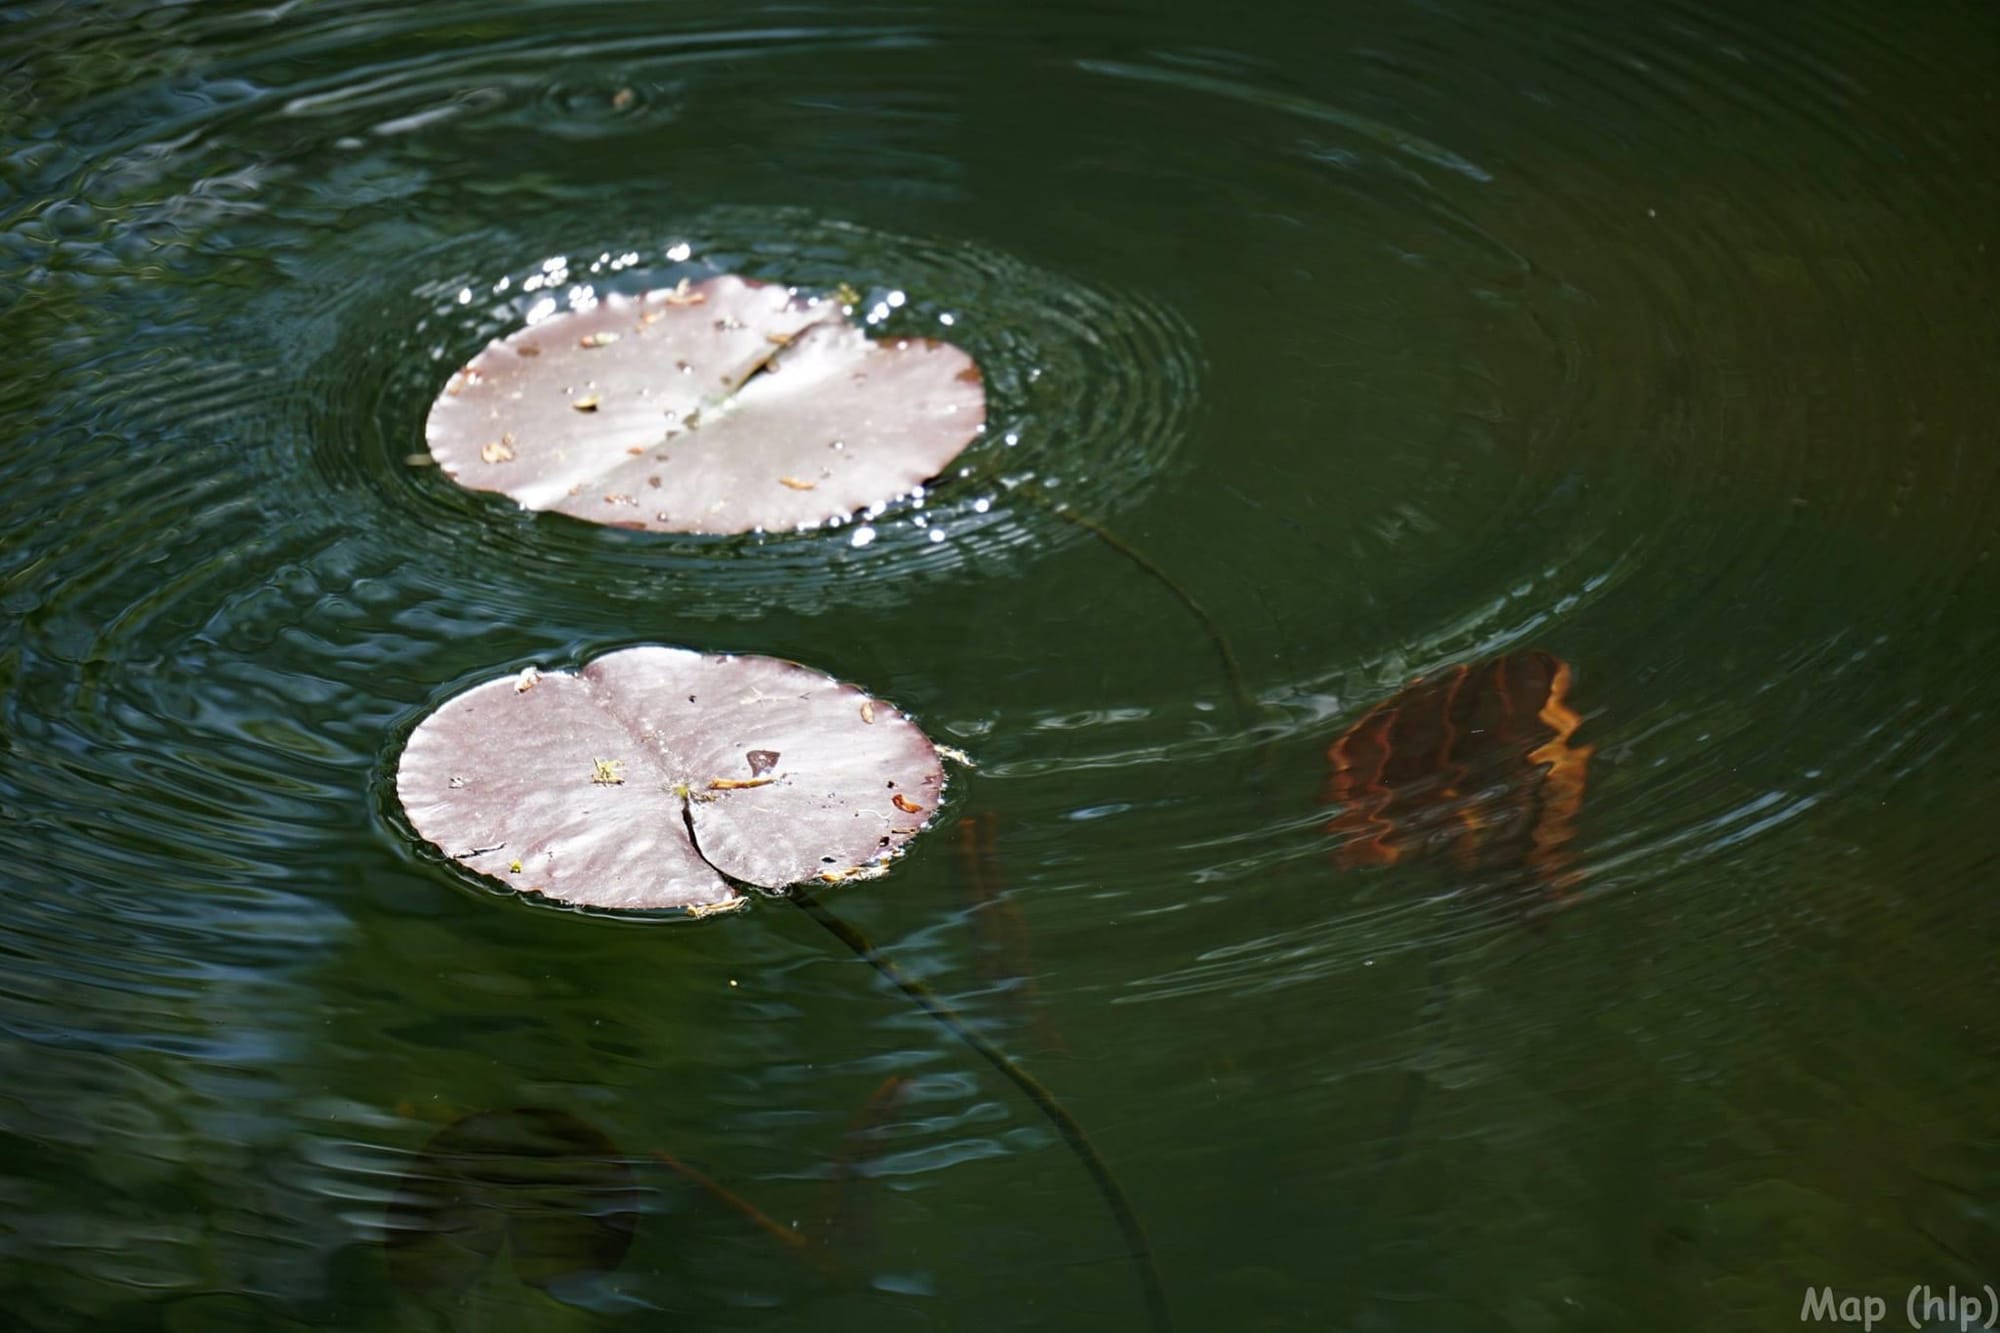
(1403, 336)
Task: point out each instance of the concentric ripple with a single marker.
(1329, 354)
(1088, 397)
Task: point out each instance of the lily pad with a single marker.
(654, 777)
(722, 406)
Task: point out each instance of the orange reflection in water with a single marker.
(1479, 757)
(1001, 957)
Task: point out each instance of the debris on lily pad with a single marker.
(779, 412)
(659, 777)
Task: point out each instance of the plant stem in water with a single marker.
(1072, 1132)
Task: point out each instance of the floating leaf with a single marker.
(615, 786)
(749, 383)
(548, 1187)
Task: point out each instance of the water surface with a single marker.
(1401, 338)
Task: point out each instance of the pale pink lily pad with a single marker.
(721, 406)
(653, 777)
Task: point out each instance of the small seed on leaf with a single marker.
(526, 680)
(587, 403)
(867, 712)
(608, 772)
(499, 451)
(738, 784)
(680, 295)
(906, 805)
(796, 484)
(602, 338)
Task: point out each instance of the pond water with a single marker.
(1454, 343)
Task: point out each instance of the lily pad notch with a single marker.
(723, 406)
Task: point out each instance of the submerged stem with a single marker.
(1245, 706)
(1045, 1101)
(742, 1206)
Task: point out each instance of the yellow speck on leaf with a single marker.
(513, 867)
(601, 339)
(796, 484)
(608, 772)
(498, 451)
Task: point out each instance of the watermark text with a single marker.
(1925, 1307)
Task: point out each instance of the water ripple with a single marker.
(1398, 346)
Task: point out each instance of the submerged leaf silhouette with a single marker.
(653, 777)
(1479, 757)
(550, 1188)
(725, 406)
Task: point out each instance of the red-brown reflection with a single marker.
(1479, 757)
(1001, 956)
